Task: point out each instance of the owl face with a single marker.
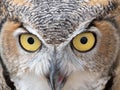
(88, 54)
(58, 45)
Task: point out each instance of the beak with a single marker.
(55, 78)
(52, 70)
(51, 76)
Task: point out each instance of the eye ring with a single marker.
(82, 43)
(29, 42)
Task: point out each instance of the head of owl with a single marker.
(59, 44)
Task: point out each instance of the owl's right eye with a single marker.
(29, 42)
(84, 42)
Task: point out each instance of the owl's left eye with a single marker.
(84, 42)
(29, 42)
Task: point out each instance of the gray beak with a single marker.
(56, 79)
(53, 70)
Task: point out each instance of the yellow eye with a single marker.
(84, 42)
(29, 42)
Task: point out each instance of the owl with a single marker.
(59, 45)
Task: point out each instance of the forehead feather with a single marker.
(56, 19)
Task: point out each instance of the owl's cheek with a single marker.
(30, 81)
(83, 81)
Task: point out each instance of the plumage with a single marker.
(60, 44)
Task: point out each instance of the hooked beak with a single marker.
(51, 76)
(55, 78)
(52, 70)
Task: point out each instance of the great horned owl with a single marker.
(59, 44)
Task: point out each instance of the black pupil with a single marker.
(83, 40)
(30, 40)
